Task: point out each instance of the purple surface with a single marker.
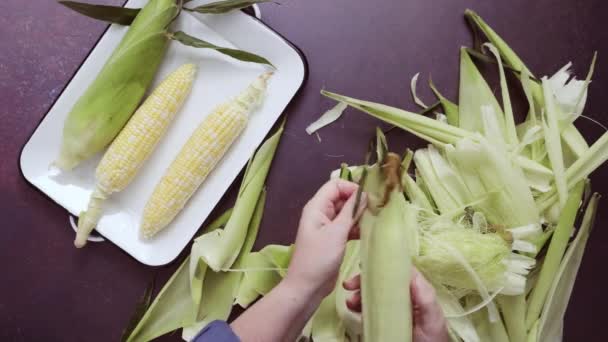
(368, 49)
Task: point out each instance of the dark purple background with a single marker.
(50, 291)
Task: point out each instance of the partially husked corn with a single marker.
(108, 103)
(199, 155)
(135, 144)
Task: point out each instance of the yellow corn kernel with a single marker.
(134, 144)
(199, 155)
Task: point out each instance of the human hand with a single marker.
(325, 225)
(429, 322)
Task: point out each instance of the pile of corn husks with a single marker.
(496, 214)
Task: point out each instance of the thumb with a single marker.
(344, 221)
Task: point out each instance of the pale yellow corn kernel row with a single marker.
(135, 144)
(199, 155)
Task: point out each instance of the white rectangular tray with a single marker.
(219, 78)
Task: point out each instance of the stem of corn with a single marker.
(88, 220)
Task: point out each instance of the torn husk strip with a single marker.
(327, 118)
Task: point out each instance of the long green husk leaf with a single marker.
(112, 14)
(556, 250)
(110, 100)
(240, 55)
(171, 309)
(572, 138)
(513, 310)
(590, 160)
(474, 93)
(552, 317)
(220, 248)
(220, 288)
(505, 51)
(225, 6)
(433, 131)
(553, 143)
(140, 311)
(511, 133)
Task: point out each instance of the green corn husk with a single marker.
(171, 309)
(263, 270)
(386, 269)
(221, 287)
(110, 100)
(572, 138)
(552, 317)
(450, 108)
(556, 250)
(350, 267)
(475, 93)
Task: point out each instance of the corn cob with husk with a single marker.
(388, 228)
(129, 151)
(108, 103)
(199, 155)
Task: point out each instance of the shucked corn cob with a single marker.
(134, 144)
(108, 103)
(199, 155)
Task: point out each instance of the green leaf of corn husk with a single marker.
(262, 271)
(110, 100)
(220, 248)
(428, 129)
(139, 312)
(556, 250)
(573, 140)
(514, 315)
(590, 160)
(219, 289)
(474, 94)
(552, 317)
(112, 14)
(326, 324)
(449, 107)
(173, 307)
(240, 55)
(225, 6)
(350, 267)
(197, 266)
(510, 129)
(433, 131)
